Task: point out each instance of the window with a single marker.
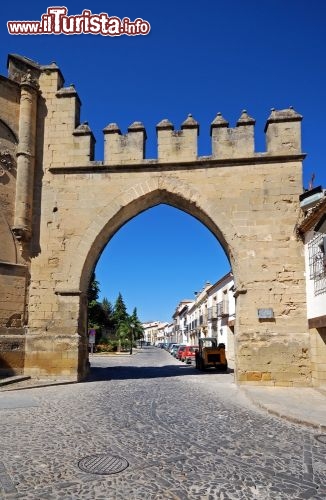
(317, 262)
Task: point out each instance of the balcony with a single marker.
(222, 309)
(194, 324)
(211, 313)
(202, 319)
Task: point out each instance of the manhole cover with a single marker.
(321, 438)
(102, 464)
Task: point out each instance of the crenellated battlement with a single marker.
(283, 137)
(233, 142)
(120, 148)
(283, 131)
(180, 145)
(68, 142)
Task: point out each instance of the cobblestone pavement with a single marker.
(185, 435)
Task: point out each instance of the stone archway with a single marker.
(78, 246)
(249, 200)
(70, 271)
(123, 216)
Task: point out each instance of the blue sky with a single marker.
(199, 58)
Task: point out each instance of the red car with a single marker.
(188, 354)
(180, 351)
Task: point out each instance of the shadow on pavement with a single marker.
(146, 372)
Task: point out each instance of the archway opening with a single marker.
(172, 269)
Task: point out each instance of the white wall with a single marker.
(316, 304)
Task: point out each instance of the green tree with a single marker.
(123, 330)
(93, 290)
(120, 314)
(99, 314)
(138, 330)
(94, 309)
(107, 306)
(130, 330)
(108, 312)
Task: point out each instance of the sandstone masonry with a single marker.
(59, 208)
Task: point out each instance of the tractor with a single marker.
(211, 355)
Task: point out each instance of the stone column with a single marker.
(26, 158)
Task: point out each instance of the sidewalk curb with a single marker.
(37, 385)
(289, 418)
(112, 354)
(14, 379)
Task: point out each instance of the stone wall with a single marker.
(256, 214)
(13, 269)
(248, 200)
(12, 315)
(318, 356)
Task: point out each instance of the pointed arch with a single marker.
(7, 133)
(136, 200)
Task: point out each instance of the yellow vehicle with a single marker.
(211, 355)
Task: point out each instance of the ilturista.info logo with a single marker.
(57, 22)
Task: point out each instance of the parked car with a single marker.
(189, 353)
(174, 349)
(179, 352)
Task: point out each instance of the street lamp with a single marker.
(132, 326)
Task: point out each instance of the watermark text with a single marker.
(57, 22)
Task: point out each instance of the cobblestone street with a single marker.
(185, 435)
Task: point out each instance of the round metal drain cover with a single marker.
(321, 438)
(102, 464)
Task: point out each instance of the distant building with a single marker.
(150, 331)
(169, 333)
(160, 338)
(221, 314)
(180, 322)
(198, 316)
(210, 314)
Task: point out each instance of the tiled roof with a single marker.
(312, 217)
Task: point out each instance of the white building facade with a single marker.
(180, 322)
(160, 337)
(313, 232)
(210, 314)
(221, 314)
(150, 331)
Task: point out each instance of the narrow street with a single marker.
(175, 433)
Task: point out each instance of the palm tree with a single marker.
(125, 331)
